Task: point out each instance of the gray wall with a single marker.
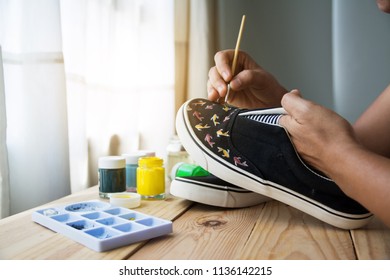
(361, 61)
(311, 44)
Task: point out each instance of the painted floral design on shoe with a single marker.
(205, 118)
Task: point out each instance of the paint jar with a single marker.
(112, 175)
(151, 178)
(183, 169)
(175, 154)
(131, 169)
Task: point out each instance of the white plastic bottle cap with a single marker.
(132, 158)
(126, 200)
(148, 153)
(112, 162)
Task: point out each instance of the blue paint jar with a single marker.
(112, 175)
(131, 169)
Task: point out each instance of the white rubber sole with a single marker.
(215, 195)
(236, 176)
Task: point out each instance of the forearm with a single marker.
(373, 127)
(364, 176)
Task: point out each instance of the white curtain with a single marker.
(4, 177)
(35, 102)
(195, 46)
(202, 46)
(119, 63)
(82, 79)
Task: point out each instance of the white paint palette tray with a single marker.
(101, 226)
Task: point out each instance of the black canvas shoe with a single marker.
(207, 189)
(248, 148)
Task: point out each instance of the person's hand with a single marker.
(318, 134)
(251, 87)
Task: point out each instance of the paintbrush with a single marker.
(235, 55)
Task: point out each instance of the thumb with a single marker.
(292, 101)
(289, 104)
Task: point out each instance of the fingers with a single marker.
(291, 101)
(246, 78)
(216, 86)
(294, 105)
(249, 74)
(223, 64)
(219, 75)
(212, 93)
(299, 110)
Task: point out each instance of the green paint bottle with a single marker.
(183, 169)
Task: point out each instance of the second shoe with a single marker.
(203, 187)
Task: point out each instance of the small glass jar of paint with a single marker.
(131, 169)
(151, 178)
(112, 175)
(175, 154)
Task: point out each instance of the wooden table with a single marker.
(268, 231)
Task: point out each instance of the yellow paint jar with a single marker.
(151, 178)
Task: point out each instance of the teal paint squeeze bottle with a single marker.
(131, 169)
